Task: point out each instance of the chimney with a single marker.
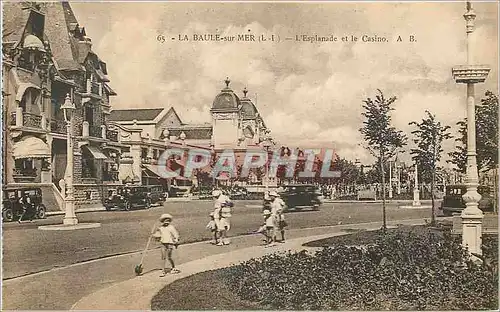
(84, 47)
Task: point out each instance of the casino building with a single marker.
(235, 124)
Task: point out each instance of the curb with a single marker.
(57, 213)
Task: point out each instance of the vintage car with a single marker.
(299, 196)
(454, 203)
(129, 197)
(13, 209)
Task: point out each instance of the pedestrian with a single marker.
(277, 205)
(222, 215)
(27, 207)
(169, 238)
(212, 226)
(269, 228)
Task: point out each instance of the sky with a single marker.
(309, 94)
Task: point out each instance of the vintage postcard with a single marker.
(249, 155)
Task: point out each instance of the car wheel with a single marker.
(8, 215)
(127, 206)
(41, 213)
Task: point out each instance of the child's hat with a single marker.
(165, 216)
(266, 212)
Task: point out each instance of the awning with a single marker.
(151, 170)
(96, 152)
(31, 147)
(22, 89)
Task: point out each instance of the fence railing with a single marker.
(58, 126)
(32, 120)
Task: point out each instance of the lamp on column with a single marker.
(69, 201)
(266, 144)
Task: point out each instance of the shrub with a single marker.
(400, 271)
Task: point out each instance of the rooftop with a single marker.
(139, 114)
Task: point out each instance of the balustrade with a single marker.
(32, 120)
(28, 172)
(58, 126)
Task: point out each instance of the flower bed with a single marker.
(406, 269)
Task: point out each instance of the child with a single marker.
(269, 227)
(212, 226)
(169, 238)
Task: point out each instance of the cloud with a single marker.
(309, 94)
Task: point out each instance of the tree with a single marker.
(349, 173)
(428, 138)
(383, 140)
(486, 134)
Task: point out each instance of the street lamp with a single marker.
(470, 74)
(69, 201)
(266, 144)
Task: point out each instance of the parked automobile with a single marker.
(454, 203)
(181, 188)
(129, 197)
(156, 193)
(299, 196)
(12, 207)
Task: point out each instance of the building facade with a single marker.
(47, 57)
(235, 124)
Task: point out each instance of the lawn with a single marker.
(409, 268)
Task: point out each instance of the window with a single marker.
(89, 114)
(144, 153)
(155, 153)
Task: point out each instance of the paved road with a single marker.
(28, 250)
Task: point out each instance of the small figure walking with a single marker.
(269, 228)
(169, 238)
(212, 226)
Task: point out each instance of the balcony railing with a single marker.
(25, 172)
(112, 135)
(58, 126)
(27, 120)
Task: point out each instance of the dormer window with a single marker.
(31, 52)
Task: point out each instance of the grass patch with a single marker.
(203, 291)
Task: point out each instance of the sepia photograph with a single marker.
(250, 155)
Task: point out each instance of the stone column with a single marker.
(470, 74)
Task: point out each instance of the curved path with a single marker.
(136, 293)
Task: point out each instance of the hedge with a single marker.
(400, 271)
